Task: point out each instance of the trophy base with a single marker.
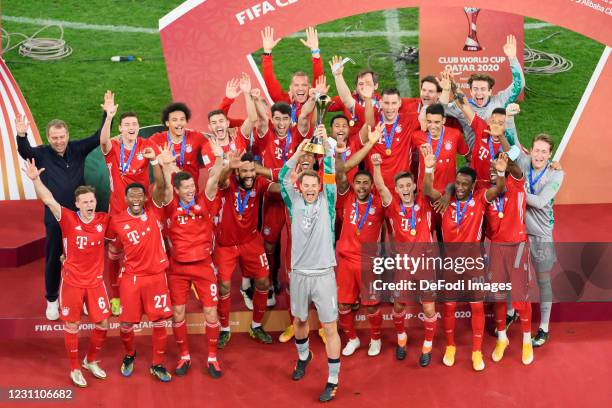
(314, 148)
(472, 48)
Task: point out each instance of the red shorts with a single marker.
(144, 294)
(273, 219)
(510, 264)
(251, 256)
(72, 298)
(349, 280)
(182, 275)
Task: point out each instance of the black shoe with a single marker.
(260, 335)
(509, 321)
(540, 338)
(329, 392)
(214, 370)
(127, 367)
(224, 337)
(160, 372)
(182, 367)
(355, 306)
(425, 359)
(400, 352)
(276, 285)
(300, 367)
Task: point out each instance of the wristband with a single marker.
(429, 170)
(268, 53)
(514, 153)
(315, 51)
(501, 174)
(154, 162)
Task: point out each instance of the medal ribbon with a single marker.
(188, 206)
(242, 204)
(389, 138)
(183, 142)
(124, 167)
(533, 182)
(412, 216)
(360, 223)
(460, 212)
(491, 150)
(439, 142)
(499, 203)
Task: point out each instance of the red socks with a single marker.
(179, 329)
(95, 342)
(159, 337)
(398, 322)
(260, 301)
(375, 320)
(212, 335)
(478, 322)
(430, 327)
(347, 323)
(223, 309)
(71, 341)
(524, 311)
(500, 309)
(448, 321)
(127, 338)
(114, 267)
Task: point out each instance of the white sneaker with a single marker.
(351, 346)
(77, 378)
(271, 302)
(52, 311)
(94, 369)
(374, 349)
(248, 302)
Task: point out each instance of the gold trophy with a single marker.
(322, 104)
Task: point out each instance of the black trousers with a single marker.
(53, 251)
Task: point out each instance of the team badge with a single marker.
(416, 207)
(99, 227)
(372, 211)
(188, 148)
(398, 129)
(143, 217)
(266, 231)
(252, 194)
(196, 207)
(448, 145)
(65, 311)
(472, 203)
(180, 209)
(139, 156)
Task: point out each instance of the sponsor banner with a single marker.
(472, 42)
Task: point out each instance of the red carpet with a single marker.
(259, 376)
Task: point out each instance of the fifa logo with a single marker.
(133, 237)
(81, 242)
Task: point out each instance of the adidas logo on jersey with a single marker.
(126, 227)
(78, 228)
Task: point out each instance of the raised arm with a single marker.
(245, 88)
(26, 151)
(514, 169)
(341, 87)
(511, 93)
(111, 110)
(232, 91)
(367, 93)
(548, 192)
(42, 191)
(163, 168)
(466, 108)
(430, 163)
(312, 43)
(321, 88)
(212, 184)
(274, 87)
(358, 156)
(500, 164)
(87, 145)
(379, 182)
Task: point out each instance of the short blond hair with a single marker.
(544, 138)
(58, 124)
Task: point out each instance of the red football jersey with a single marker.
(237, 143)
(399, 159)
(469, 229)
(189, 160)
(350, 242)
(190, 231)
(510, 228)
(141, 237)
(83, 244)
(481, 156)
(233, 228)
(453, 143)
(274, 150)
(136, 172)
(401, 220)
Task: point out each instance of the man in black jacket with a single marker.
(64, 163)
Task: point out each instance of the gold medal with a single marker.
(413, 232)
(388, 152)
(357, 232)
(239, 216)
(351, 123)
(500, 214)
